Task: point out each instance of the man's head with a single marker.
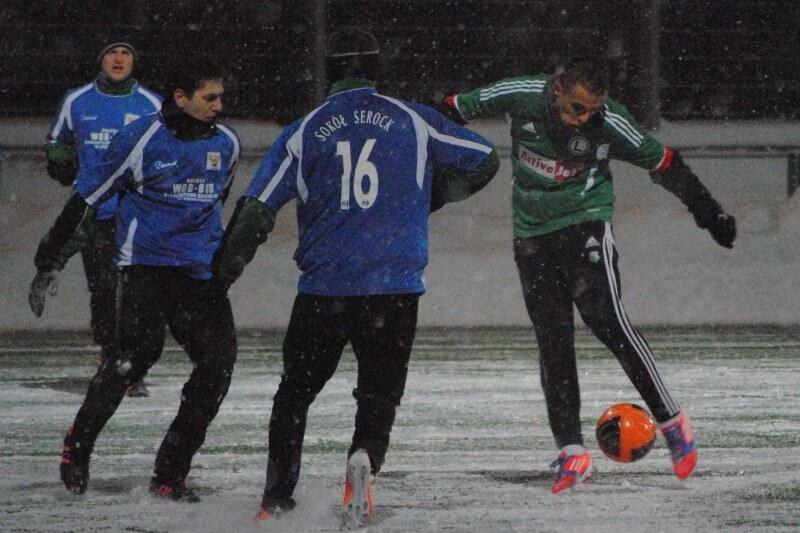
(581, 90)
(195, 84)
(353, 53)
(116, 60)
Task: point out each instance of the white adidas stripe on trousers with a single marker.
(636, 340)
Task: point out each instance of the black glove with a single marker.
(45, 281)
(63, 172)
(719, 224)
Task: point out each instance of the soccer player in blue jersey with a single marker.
(87, 119)
(173, 171)
(365, 171)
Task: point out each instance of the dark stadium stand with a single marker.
(718, 60)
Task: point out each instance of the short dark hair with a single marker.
(188, 71)
(592, 73)
(352, 53)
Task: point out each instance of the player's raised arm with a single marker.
(497, 98)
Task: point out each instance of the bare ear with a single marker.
(558, 88)
(180, 98)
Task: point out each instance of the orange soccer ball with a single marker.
(625, 432)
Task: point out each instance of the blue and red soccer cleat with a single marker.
(574, 467)
(681, 444)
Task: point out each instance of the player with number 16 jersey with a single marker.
(358, 165)
(365, 170)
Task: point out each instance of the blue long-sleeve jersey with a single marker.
(88, 118)
(361, 167)
(171, 193)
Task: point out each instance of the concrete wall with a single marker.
(672, 272)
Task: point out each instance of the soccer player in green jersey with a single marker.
(565, 130)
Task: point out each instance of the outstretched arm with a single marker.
(676, 176)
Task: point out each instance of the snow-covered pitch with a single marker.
(470, 450)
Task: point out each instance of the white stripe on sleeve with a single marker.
(133, 161)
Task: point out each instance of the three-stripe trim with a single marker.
(509, 87)
(639, 345)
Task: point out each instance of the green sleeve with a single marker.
(248, 229)
(77, 240)
(60, 152)
(62, 162)
(66, 236)
(508, 95)
(453, 185)
(630, 141)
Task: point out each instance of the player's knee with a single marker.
(387, 400)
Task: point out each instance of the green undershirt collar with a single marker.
(106, 86)
(347, 84)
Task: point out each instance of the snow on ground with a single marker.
(469, 453)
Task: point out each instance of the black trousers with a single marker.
(201, 321)
(578, 265)
(381, 330)
(101, 277)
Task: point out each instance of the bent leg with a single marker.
(317, 333)
(598, 298)
(383, 335)
(203, 324)
(141, 338)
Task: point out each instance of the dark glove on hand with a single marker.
(719, 224)
(63, 172)
(45, 281)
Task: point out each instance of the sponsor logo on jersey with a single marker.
(193, 190)
(557, 171)
(530, 126)
(592, 242)
(87, 118)
(602, 151)
(130, 117)
(213, 161)
(579, 145)
(161, 164)
(100, 139)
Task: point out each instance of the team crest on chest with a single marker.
(213, 161)
(578, 145)
(130, 117)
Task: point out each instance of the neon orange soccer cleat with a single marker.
(574, 467)
(682, 448)
(272, 507)
(357, 504)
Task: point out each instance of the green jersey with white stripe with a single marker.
(561, 174)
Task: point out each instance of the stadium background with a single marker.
(698, 59)
(718, 79)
